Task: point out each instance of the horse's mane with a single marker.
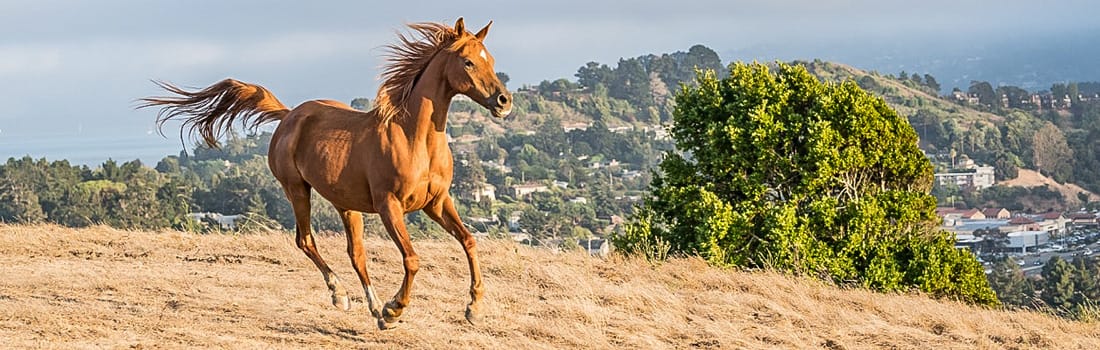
(406, 59)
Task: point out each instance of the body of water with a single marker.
(92, 150)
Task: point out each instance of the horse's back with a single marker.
(334, 104)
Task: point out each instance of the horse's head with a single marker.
(469, 70)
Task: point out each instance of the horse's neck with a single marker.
(427, 112)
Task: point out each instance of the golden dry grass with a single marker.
(1032, 178)
(106, 288)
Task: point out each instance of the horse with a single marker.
(391, 160)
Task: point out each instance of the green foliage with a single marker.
(1066, 289)
(1008, 280)
(127, 196)
(1058, 286)
(931, 83)
(504, 78)
(1015, 198)
(18, 203)
(780, 170)
(362, 104)
(986, 95)
(1052, 155)
(639, 238)
(1086, 280)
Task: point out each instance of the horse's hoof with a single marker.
(473, 316)
(390, 313)
(341, 302)
(376, 313)
(383, 325)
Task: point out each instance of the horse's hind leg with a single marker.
(299, 200)
(353, 227)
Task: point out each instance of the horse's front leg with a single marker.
(392, 213)
(444, 213)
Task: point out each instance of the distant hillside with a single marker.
(1031, 178)
(1004, 140)
(106, 288)
(901, 97)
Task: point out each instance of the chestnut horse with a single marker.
(391, 160)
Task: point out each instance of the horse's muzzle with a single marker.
(500, 104)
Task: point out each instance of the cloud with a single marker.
(24, 60)
(108, 56)
(306, 47)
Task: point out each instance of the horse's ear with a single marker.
(483, 32)
(460, 27)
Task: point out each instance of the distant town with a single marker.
(1031, 239)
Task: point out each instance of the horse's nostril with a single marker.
(502, 99)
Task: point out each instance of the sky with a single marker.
(70, 71)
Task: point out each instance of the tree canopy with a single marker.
(777, 169)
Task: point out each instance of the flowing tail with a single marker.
(212, 111)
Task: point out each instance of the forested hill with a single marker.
(1005, 127)
(908, 97)
(570, 163)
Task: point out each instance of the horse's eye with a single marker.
(469, 64)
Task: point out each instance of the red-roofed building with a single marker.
(1084, 220)
(972, 214)
(996, 213)
(1052, 222)
(1053, 215)
(945, 211)
(1020, 223)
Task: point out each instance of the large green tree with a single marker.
(777, 169)
(1058, 286)
(986, 95)
(1086, 280)
(18, 203)
(1052, 155)
(1012, 287)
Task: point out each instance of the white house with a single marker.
(225, 222)
(596, 246)
(527, 189)
(978, 177)
(487, 191)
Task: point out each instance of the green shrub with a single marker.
(783, 171)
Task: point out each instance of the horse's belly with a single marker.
(343, 187)
(348, 198)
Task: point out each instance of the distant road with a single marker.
(1031, 269)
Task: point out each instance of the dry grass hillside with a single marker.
(106, 288)
(1032, 178)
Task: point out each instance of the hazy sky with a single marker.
(70, 70)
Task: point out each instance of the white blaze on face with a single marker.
(484, 56)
